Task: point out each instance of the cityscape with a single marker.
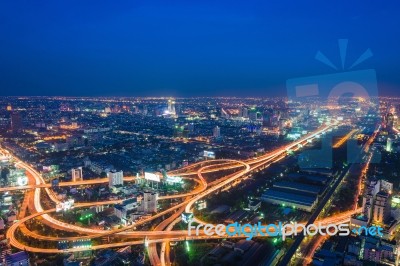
(115, 181)
(180, 133)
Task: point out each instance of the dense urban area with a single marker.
(118, 180)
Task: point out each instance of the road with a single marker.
(163, 232)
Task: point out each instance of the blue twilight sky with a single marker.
(188, 48)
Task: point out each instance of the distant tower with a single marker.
(16, 122)
(171, 107)
(244, 112)
(77, 174)
(389, 144)
(145, 110)
(217, 132)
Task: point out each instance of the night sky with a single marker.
(183, 48)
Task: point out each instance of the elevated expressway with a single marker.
(163, 232)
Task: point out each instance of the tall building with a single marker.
(145, 110)
(216, 132)
(178, 110)
(244, 112)
(77, 174)
(389, 144)
(252, 114)
(115, 178)
(149, 202)
(367, 206)
(16, 122)
(381, 207)
(171, 107)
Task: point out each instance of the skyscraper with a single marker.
(244, 112)
(389, 144)
(171, 107)
(217, 132)
(16, 122)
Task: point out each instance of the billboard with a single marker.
(209, 154)
(173, 179)
(152, 177)
(201, 204)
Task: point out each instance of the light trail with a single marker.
(345, 138)
(161, 235)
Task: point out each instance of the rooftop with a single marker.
(16, 257)
(289, 197)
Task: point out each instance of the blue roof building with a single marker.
(17, 259)
(279, 197)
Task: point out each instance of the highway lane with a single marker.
(153, 236)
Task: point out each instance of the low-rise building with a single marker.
(17, 259)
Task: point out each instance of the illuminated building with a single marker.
(381, 207)
(77, 174)
(115, 178)
(71, 126)
(389, 144)
(171, 107)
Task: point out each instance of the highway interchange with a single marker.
(163, 233)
